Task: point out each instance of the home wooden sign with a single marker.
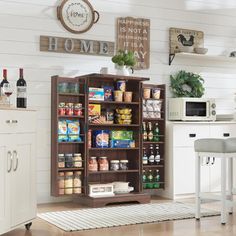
(76, 46)
(133, 34)
(185, 40)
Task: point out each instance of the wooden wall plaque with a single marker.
(76, 46)
(183, 40)
(134, 34)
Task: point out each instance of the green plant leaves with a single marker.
(124, 58)
(183, 80)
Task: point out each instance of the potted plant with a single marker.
(187, 84)
(124, 60)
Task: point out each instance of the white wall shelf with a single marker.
(201, 57)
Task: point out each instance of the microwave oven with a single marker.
(192, 109)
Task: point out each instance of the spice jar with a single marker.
(69, 161)
(93, 164)
(103, 164)
(69, 109)
(61, 161)
(78, 109)
(61, 183)
(61, 109)
(124, 164)
(68, 182)
(114, 165)
(77, 182)
(77, 159)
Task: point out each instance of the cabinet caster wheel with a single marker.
(27, 226)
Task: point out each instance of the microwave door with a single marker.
(196, 109)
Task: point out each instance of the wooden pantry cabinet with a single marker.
(134, 173)
(181, 156)
(17, 168)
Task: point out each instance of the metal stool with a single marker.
(217, 148)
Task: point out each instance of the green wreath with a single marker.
(187, 84)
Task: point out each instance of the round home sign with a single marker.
(77, 16)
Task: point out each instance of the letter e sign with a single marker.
(77, 16)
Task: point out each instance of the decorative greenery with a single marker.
(124, 58)
(187, 84)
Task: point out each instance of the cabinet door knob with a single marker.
(192, 135)
(9, 156)
(226, 134)
(15, 156)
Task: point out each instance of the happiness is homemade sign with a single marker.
(133, 34)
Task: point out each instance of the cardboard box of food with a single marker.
(96, 94)
(94, 110)
(121, 135)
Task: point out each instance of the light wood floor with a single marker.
(209, 226)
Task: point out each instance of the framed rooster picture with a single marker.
(185, 40)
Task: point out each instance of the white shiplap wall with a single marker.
(23, 21)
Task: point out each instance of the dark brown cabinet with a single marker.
(76, 91)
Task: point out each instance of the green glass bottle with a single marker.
(156, 133)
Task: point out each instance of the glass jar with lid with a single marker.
(77, 182)
(61, 183)
(61, 161)
(69, 160)
(93, 164)
(68, 182)
(124, 164)
(114, 166)
(103, 164)
(77, 159)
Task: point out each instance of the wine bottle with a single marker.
(4, 80)
(21, 100)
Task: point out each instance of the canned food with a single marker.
(69, 109)
(121, 85)
(78, 109)
(61, 109)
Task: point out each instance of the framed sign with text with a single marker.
(133, 34)
(77, 16)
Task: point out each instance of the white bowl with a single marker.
(188, 49)
(201, 50)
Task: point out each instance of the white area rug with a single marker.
(94, 218)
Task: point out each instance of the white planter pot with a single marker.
(122, 70)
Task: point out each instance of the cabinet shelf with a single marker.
(113, 102)
(72, 94)
(152, 142)
(152, 166)
(71, 169)
(113, 172)
(201, 57)
(153, 119)
(112, 149)
(65, 143)
(115, 125)
(72, 117)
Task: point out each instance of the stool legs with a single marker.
(223, 191)
(198, 184)
(230, 182)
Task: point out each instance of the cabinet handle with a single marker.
(226, 134)
(15, 156)
(192, 135)
(9, 155)
(11, 121)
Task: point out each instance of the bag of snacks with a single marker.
(62, 127)
(73, 127)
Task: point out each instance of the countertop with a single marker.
(202, 122)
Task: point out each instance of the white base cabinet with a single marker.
(17, 168)
(180, 173)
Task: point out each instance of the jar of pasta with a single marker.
(68, 182)
(77, 159)
(61, 183)
(77, 183)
